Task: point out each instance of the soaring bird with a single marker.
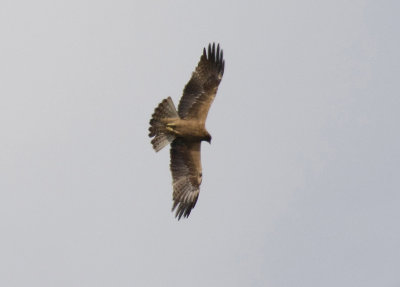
(185, 129)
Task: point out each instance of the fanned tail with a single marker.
(162, 137)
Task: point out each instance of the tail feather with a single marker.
(166, 109)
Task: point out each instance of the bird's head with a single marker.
(207, 138)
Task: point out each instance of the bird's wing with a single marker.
(201, 89)
(186, 175)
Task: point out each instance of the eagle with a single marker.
(185, 129)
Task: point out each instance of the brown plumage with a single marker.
(185, 129)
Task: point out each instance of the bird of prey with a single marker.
(185, 129)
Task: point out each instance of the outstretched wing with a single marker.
(201, 89)
(186, 174)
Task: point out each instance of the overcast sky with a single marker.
(300, 184)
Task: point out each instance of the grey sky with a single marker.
(301, 182)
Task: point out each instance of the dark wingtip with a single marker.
(215, 55)
(183, 209)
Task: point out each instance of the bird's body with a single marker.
(185, 129)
